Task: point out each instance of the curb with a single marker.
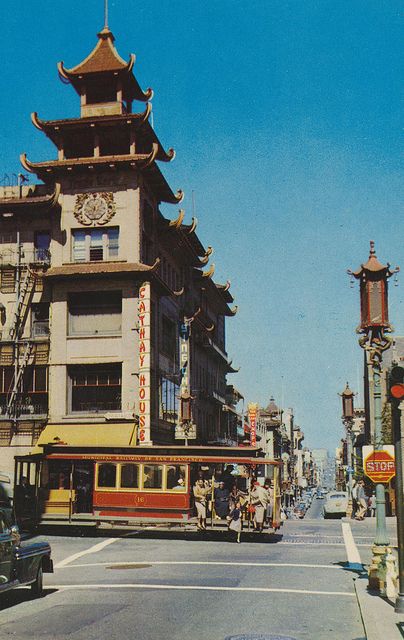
(378, 615)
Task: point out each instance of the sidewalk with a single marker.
(378, 616)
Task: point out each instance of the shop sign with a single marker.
(144, 316)
(252, 415)
(184, 429)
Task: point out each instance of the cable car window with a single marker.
(107, 475)
(130, 476)
(152, 476)
(176, 477)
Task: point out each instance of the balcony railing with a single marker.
(97, 407)
(34, 256)
(26, 409)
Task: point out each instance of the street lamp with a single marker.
(348, 417)
(374, 325)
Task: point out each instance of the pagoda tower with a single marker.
(108, 137)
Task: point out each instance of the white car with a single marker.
(336, 504)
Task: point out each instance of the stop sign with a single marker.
(380, 466)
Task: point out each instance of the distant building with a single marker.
(320, 462)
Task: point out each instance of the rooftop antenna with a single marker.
(105, 14)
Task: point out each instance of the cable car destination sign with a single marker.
(380, 465)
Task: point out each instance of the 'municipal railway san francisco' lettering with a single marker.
(144, 314)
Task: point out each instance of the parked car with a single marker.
(300, 510)
(20, 563)
(336, 504)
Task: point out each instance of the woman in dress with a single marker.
(200, 492)
(235, 523)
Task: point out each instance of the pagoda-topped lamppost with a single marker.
(374, 326)
(348, 417)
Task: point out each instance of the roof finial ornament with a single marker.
(372, 248)
(106, 14)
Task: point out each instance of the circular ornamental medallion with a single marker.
(94, 208)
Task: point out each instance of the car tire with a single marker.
(37, 586)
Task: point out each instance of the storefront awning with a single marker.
(87, 435)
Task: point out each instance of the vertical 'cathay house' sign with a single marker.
(144, 310)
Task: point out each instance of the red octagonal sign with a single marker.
(380, 466)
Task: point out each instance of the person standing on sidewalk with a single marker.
(372, 505)
(362, 504)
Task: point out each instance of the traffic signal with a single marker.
(396, 383)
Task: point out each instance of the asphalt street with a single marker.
(159, 587)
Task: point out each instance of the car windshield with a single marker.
(335, 496)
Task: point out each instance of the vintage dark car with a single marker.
(21, 563)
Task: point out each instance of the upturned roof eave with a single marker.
(145, 163)
(43, 203)
(203, 278)
(92, 269)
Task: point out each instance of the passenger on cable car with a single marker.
(259, 500)
(228, 477)
(270, 506)
(180, 485)
(237, 494)
(200, 492)
(221, 496)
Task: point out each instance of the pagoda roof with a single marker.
(52, 128)
(145, 162)
(372, 265)
(31, 202)
(103, 59)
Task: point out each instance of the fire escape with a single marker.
(20, 271)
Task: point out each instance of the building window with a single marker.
(42, 243)
(175, 473)
(107, 475)
(168, 406)
(6, 380)
(153, 476)
(95, 388)
(95, 313)
(8, 237)
(40, 320)
(169, 342)
(95, 245)
(32, 395)
(130, 476)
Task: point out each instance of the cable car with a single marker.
(132, 486)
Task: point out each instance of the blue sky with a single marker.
(285, 119)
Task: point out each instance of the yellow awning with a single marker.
(117, 434)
